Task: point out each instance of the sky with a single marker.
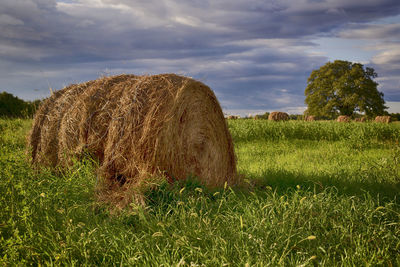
(256, 55)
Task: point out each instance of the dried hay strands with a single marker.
(382, 119)
(138, 127)
(278, 116)
(343, 118)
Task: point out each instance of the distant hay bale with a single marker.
(382, 119)
(278, 116)
(232, 117)
(310, 118)
(362, 119)
(138, 127)
(343, 118)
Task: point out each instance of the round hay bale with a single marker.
(44, 135)
(85, 128)
(232, 117)
(41, 115)
(139, 127)
(343, 118)
(310, 118)
(278, 116)
(382, 119)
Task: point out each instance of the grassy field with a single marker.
(319, 193)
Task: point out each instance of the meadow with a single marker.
(314, 193)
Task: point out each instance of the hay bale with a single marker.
(138, 127)
(382, 119)
(343, 118)
(310, 118)
(278, 116)
(233, 117)
(41, 117)
(50, 129)
(44, 136)
(86, 126)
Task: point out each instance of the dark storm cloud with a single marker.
(252, 53)
(121, 29)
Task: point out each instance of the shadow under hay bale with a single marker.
(343, 118)
(278, 116)
(382, 119)
(138, 127)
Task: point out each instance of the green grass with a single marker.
(249, 130)
(320, 193)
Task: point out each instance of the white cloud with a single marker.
(373, 32)
(187, 20)
(388, 54)
(394, 107)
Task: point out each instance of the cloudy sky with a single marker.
(255, 54)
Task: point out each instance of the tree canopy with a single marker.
(343, 88)
(12, 106)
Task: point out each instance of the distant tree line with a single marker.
(395, 116)
(14, 107)
(300, 117)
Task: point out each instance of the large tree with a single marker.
(342, 88)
